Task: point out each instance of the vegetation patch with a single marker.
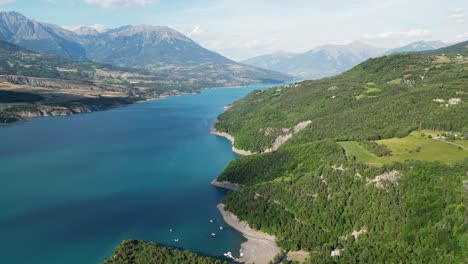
(141, 252)
(412, 147)
(370, 92)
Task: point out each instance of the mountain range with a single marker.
(329, 60)
(419, 46)
(158, 49)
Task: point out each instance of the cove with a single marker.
(72, 188)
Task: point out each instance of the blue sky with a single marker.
(243, 28)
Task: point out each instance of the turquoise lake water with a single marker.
(72, 188)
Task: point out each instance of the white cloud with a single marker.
(458, 15)
(99, 27)
(196, 30)
(414, 33)
(117, 3)
(463, 36)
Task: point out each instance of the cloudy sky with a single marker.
(244, 28)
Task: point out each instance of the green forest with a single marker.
(314, 197)
(141, 252)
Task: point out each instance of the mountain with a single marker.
(86, 31)
(149, 46)
(30, 34)
(270, 61)
(158, 49)
(453, 50)
(36, 84)
(324, 61)
(365, 167)
(418, 46)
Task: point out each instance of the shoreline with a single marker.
(88, 109)
(229, 137)
(225, 185)
(259, 248)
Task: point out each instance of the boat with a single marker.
(211, 221)
(221, 228)
(213, 234)
(176, 240)
(229, 255)
(170, 230)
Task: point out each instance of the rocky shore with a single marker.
(231, 138)
(225, 185)
(260, 248)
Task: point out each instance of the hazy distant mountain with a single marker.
(271, 60)
(161, 50)
(419, 46)
(86, 31)
(320, 62)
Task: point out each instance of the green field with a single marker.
(370, 92)
(354, 149)
(412, 147)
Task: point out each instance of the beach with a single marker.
(259, 248)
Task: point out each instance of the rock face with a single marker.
(391, 177)
(280, 140)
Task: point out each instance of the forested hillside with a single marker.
(380, 98)
(312, 195)
(141, 252)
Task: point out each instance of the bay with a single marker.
(72, 188)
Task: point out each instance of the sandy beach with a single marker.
(260, 248)
(213, 131)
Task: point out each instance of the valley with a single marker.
(349, 144)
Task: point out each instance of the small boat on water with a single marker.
(170, 230)
(213, 234)
(229, 255)
(211, 221)
(176, 240)
(221, 228)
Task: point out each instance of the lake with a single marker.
(72, 188)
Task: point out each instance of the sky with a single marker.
(241, 29)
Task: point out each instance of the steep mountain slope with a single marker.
(162, 50)
(147, 46)
(418, 46)
(314, 195)
(453, 50)
(320, 62)
(30, 34)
